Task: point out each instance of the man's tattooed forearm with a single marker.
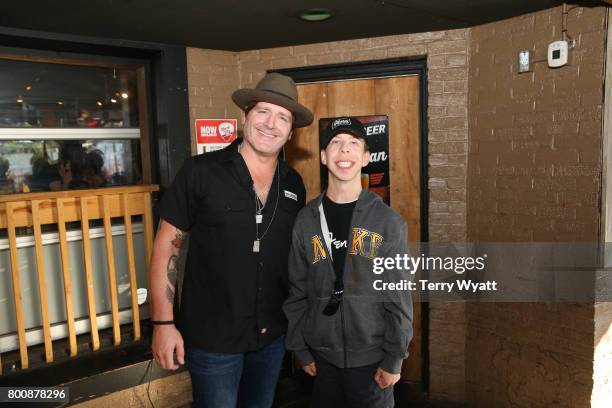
(172, 273)
(179, 238)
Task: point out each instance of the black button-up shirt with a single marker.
(232, 297)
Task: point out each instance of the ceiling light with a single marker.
(28, 87)
(315, 15)
(99, 103)
(60, 102)
(19, 99)
(124, 95)
(113, 100)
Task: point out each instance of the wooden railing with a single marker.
(35, 209)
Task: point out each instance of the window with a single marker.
(45, 95)
(67, 126)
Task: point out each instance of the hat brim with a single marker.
(302, 116)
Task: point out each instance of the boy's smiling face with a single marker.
(345, 155)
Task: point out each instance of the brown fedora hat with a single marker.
(279, 90)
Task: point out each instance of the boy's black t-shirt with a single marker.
(338, 217)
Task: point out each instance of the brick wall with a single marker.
(212, 77)
(534, 175)
(535, 145)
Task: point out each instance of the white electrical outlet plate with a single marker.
(557, 54)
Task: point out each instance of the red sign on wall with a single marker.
(214, 134)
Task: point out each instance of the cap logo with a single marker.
(340, 122)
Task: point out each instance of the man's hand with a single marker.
(310, 369)
(166, 341)
(385, 379)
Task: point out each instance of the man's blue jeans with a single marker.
(245, 380)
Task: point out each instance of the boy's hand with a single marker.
(385, 379)
(310, 369)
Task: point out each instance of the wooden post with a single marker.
(148, 228)
(129, 242)
(12, 238)
(61, 225)
(42, 283)
(112, 280)
(91, 297)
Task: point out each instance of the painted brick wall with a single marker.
(212, 77)
(534, 175)
(535, 138)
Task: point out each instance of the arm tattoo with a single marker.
(179, 238)
(170, 294)
(172, 273)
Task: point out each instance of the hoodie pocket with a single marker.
(365, 323)
(323, 332)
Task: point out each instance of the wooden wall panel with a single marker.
(399, 98)
(352, 98)
(303, 150)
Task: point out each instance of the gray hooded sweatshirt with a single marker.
(371, 326)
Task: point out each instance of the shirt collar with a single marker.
(231, 154)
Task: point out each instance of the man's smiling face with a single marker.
(267, 127)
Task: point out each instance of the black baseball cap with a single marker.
(345, 124)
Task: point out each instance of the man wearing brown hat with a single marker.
(239, 205)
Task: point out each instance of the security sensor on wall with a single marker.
(523, 61)
(557, 54)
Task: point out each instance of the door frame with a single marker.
(381, 69)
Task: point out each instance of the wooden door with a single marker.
(397, 97)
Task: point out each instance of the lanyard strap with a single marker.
(325, 230)
(338, 283)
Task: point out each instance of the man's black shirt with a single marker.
(232, 298)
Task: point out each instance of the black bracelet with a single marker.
(161, 322)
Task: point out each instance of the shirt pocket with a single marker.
(289, 205)
(223, 211)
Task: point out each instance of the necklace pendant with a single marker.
(258, 218)
(256, 246)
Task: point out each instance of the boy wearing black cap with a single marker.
(351, 337)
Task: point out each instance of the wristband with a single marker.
(161, 322)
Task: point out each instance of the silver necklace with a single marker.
(259, 208)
